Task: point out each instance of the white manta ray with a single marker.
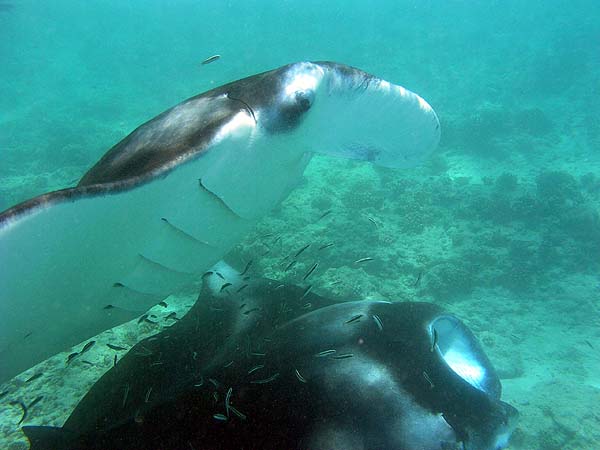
(173, 197)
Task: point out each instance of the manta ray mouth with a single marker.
(462, 353)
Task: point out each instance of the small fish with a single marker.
(23, 407)
(310, 271)
(34, 377)
(163, 304)
(266, 380)
(251, 310)
(87, 346)
(242, 305)
(201, 383)
(4, 393)
(211, 59)
(119, 285)
(324, 246)
(173, 316)
(325, 353)
(237, 413)
(255, 368)
(299, 252)
(229, 364)
(300, 377)
(378, 322)
(220, 275)
(325, 214)
(72, 356)
(290, 265)
(115, 361)
(36, 401)
(116, 347)
(142, 318)
(248, 265)
(214, 382)
(27, 335)
(125, 395)
(216, 396)
(150, 321)
(361, 260)
(241, 288)
(306, 291)
(108, 307)
(307, 305)
(225, 286)
(589, 344)
(342, 356)
(89, 363)
(434, 341)
(221, 417)
(431, 385)
(373, 221)
(354, 318)
(148, 392)
(227, 398)
(418, 280)
(258, 354)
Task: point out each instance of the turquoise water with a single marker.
(500, 226)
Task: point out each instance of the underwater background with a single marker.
(500, 226)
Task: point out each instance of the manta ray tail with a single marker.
(48, 438)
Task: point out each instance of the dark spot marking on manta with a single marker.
(219, 199)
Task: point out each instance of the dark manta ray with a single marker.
(268, 367)
(169, 200)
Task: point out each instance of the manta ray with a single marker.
(272, 366)
(175, 195)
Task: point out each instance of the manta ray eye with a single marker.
(290, 112)
(304, 100)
